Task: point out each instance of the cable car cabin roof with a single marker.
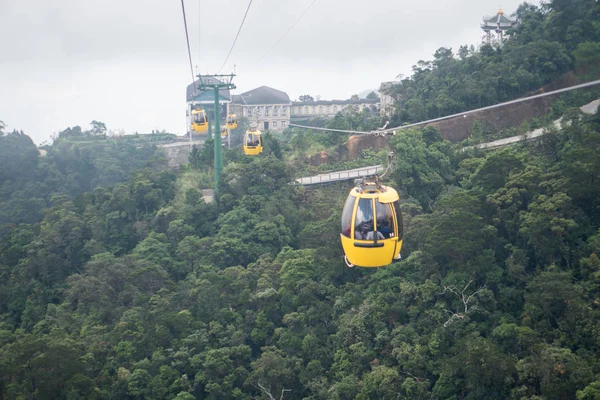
(371, 190)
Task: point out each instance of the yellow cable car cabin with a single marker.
(199, 121)
(371, 226)
(231, 122)
(223, 133)
(252, 143)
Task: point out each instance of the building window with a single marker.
(283, 124)
(283, 110)
(320, 109)
(275, 111)
(305, 109)
(266, 111)
(274, 124)
(334, 108)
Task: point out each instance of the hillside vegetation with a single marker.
(117, 281)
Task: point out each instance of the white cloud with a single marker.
(68, 62)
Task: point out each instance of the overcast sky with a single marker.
(124, 62)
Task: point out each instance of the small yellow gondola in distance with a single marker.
(223, 133)
(371, 226)
(231, 122)
(252, 142)
(199, 121)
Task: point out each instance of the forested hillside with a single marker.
(77, 162)
(117, 281)
(551, 39)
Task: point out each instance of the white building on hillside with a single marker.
(328, 108)
(264, 106)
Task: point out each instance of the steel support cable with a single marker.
(248, 108)
(236, 36)
(506, 103)
(199, 70)
(289, 30)
(187, 38)
(328, 129)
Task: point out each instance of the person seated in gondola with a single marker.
(360, 231)
(368, 231)
(383, 226)
(371, 235)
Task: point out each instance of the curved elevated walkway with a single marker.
(590, 108)
(340, 175)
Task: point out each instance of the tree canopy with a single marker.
(118, 281)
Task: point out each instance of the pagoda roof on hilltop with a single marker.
(498, 21)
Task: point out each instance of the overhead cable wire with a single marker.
(199, 36)
(248, 112)
(236, 36)
(464, 113)
(291, 27)
(187, 38)
(506, 103)
(328, 129)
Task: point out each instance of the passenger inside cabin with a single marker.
(371, 235)
(383, 226)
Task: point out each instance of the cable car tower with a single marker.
(216, 83)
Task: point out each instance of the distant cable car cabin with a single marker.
(252, 143)
(371, 225)
(231, 122)
(199, 121)
(223, 133)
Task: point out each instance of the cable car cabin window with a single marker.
(347, 215)
(399, 219)
(385, 219)
(363, 223)
(253, 140)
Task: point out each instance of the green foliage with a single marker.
(118, 281)
(550, 40)
(422, 170)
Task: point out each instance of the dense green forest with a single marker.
(117, 280)
(77, 162)
(551, 39)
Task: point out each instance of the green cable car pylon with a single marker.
(216, 83)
